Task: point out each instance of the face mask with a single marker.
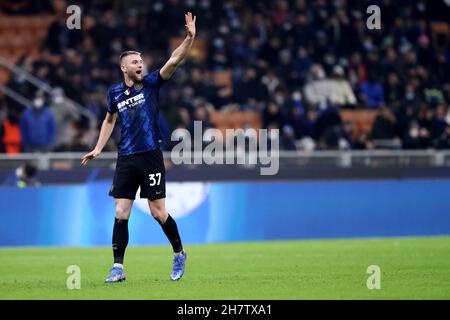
(330, 60)
(158, 7)
(421, 7)
(20, 78)
(218, 43)
(368, 45)
(58, 99)
(117, 46)
(414, 132)
(19, 172)
(297, 96)
(205, 4)
(223, 29)
(320, 74)
(274, 134)
(279, 99)
(38, 103)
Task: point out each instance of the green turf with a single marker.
(411, 268)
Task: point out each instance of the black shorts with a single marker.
(145, 170)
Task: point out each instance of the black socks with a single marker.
(119, 239)
(170, 229)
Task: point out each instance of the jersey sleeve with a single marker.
(111, 106)
(154, 79)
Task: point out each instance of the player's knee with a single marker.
(159, 214)
(122, 213)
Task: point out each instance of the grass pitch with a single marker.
(411, 268)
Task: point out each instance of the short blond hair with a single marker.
(128, 53)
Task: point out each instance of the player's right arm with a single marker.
(105, 133)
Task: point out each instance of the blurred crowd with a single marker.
(297, 62)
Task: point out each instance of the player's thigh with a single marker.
(152, 175)
(123, 208)
(126, 179)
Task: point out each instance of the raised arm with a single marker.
(180, 53)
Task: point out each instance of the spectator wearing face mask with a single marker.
(65, 118)
(37, 126)
(317, 89)
(372, 92)
(25, 176)
(341, 92)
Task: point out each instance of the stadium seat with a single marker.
(236, 120)
(20, 35)
(223, 78)
(440, 27)
(362, 120)
(198, 50)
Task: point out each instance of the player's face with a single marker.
(133, 67)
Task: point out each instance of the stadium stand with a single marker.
(310, 68)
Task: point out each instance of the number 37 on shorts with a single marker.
(155, 179)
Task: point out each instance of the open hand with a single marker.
(190, 24)
(89, 156)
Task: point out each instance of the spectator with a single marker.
(250, 87)
(26, 174)
(328, 130)
(65, 117)
(443, 141)
(417, 137)
(272, 116)
(441, 120)
(341, 92)
(384, 127)
(317, 90)
(37, 126)
(287, 141)
(10, 137)
(274, 50)
(59, 37)
(75, 145)
(393, 90)
(372, 91)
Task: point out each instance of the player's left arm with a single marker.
(180, 53)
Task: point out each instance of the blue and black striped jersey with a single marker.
(138, 114)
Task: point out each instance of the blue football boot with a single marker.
(116, 275)
(179, 262)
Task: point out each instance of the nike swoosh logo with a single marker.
(158, 192)
(117, 97)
